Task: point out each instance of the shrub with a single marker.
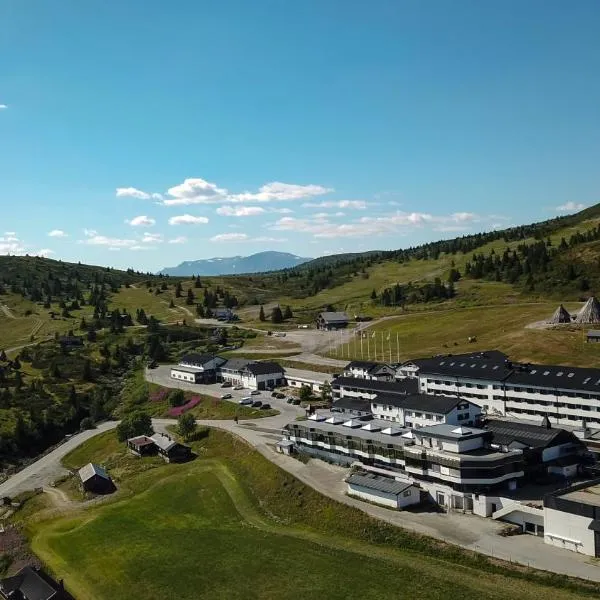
(86, 423)
(137, 423)
(176, 398)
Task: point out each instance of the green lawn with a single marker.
(232, 525)
(500, 327)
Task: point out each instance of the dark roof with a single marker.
(361, 364)
(440, 405)
(405, 386)
(90, 470)
(197, 359)
(353, 404)
(529, 434)
(236, 364)
(570, 378)
(333, 317)
(491, 365)
(140, 440)
(263, 368)
(71, 339)
(30, 584)
(376, 482)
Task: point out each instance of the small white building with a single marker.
(370, 370)
(572, 518)
(231, 371)
(298, 378)
(262, 375)
(422, 410)
(386, 491)
(197, 368)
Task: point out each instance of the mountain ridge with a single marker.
(260, 262)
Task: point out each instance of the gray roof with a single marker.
(31, 585)
(405, 386)
(529, 434)
(355, 432)
(593, 333)
(163, 441)
(483, 365)
(350, 403)
(334, 317)
(440, 405)
(199, 359)
(91, 469)
(445, 430)
(379, 483)
(236, 364)
(263, 368)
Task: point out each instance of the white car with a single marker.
(255, 393)
(225, 396)
(247, 400)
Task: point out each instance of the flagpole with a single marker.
(361, 345)
(390, 345)
(369, 346)
(398, 347)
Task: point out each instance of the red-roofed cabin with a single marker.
(142, 445)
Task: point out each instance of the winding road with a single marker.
(468, 531)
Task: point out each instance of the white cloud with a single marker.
(89, 232)
(102, 240)
(187, 220)
(240, 211)
(11, 244)
(57, 233)
(10, 233)
(461, 217)
(277, 190)
(178, 240)
(282, 211)
(141, 221)
(229, 237)
(244, 237)
(195, 191)
(570, 207)
(138, 247)
(3, 106)
(356, 204)
(45, 252)
(150, 238)
(131, 192)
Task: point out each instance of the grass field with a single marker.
(499, 327)
(232, 525)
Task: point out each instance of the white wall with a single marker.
(384, 499)
(182, 376)
(568, 531)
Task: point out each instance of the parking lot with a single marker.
(161, 375)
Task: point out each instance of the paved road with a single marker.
(468, 531)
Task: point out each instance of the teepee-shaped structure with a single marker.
(561, 315)
(590, 313)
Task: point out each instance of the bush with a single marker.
(186, 425)
(176, 398)
(87, 423)
(137, 423)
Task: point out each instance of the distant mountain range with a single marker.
(234, 265)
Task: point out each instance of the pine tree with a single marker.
(261, 314)
(199, 311)
(373, 295)
(276, 315)
(288, 313)
(178, 290)
(197, 282)
(190, 297)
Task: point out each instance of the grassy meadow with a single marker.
(495, 327)
(230, 524)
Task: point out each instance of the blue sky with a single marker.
(144, 133)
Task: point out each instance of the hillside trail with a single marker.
(7, 311)
(58, 497)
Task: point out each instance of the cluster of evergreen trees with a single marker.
(400, 295)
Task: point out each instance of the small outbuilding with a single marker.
(95, 479)
(142, 445)
(32, 584)
(285, 447)
(332, 320)
(592, 336)
(383, 490)
(170, 450)
(590, 312)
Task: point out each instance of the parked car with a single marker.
(245, 401)
(238, 387)
(274, 395)
(279, 395)
(296, 401)
(226, 396)
(255, 393)
(256, 404)
(226, 384)
(289, 400)
(270, 389)
(265, 406)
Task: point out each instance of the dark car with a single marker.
(257, 404)
(279, 396)
(296, 401)
(289, 400)
(264, 406)
(226, 384)
(274, 394)
(153, 365)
